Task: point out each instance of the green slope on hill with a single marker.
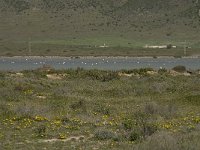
(143, 21)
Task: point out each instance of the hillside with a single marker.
(57, 22)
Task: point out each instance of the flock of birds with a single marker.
(69, 61)
(98, 63)
(74, 63)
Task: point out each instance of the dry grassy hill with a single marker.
(64, 20)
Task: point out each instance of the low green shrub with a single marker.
(134, 136)
(192, 99)
(128, 124)
(78, 105)
(102, 75)
(105, 135)
(162, 71)
(141, 71)
(40, 131)
(5, 111)
(180, 69)
(102, 109)
(144, 124)
(151, 108)
(159, 141)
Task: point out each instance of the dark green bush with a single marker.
(2, 75)
(143, 71)
(192, 99)
(169, 46)
(134, 136)
(180, 69)
(162, 71)
(128, 124)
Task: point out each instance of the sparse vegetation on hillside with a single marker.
(58, 27)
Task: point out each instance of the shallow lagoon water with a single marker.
(105, 63)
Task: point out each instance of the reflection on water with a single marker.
(107, 63)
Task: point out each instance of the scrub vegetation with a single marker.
(93, 109)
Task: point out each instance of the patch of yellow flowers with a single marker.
(40, 118)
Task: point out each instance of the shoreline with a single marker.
(99, 57)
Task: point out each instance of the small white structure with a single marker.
(158, 46)
(103, 46)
